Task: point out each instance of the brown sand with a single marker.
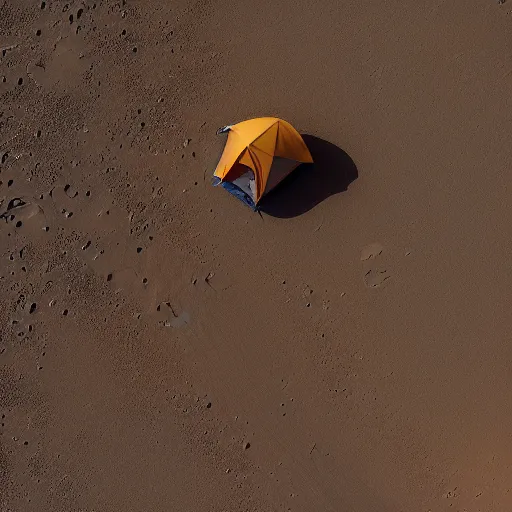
(158, 352)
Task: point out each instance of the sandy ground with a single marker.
(163, 348)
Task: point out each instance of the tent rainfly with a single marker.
(259, 154)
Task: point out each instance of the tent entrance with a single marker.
(239, 193)
(242, 184)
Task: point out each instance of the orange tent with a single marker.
(259, 154)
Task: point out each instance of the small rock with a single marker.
(247, 445)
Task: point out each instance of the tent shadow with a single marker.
(332, 172)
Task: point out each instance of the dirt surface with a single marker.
(165, 348)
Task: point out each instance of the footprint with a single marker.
(170, 318)
(375, 273)
(20, 210)
(371, 251)
(66, 61)
(179, 321)
(375, 278)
